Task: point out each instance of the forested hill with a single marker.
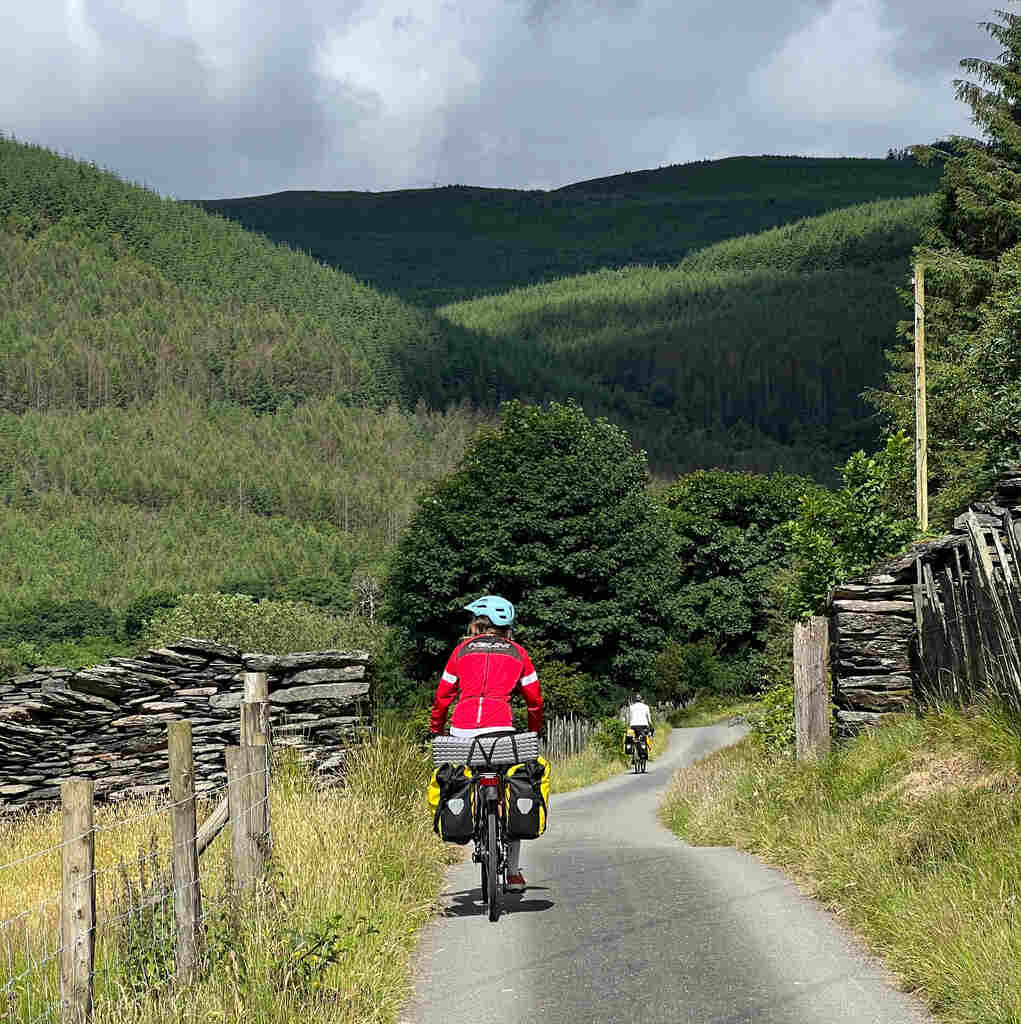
(110, 294)
(750, 354)
(441, 245)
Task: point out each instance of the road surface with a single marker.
(623, 922)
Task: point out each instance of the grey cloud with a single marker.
(527, 93)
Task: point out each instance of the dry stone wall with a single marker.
(873, 622)
(108, 723)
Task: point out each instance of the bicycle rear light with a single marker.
(489, 780)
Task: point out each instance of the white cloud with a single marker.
(839, 66)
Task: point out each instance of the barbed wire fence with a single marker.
(138, 922)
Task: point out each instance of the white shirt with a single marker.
(638, 714)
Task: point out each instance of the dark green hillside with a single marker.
(434, 246)
(109, 294)
(750, 354)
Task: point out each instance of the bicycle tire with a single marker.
(492, 868)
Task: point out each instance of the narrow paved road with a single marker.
(622, 922)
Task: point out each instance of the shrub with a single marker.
(17, 657)
(273, 627)
(139, 613)
(329, 592)
(47, 620)
(734, 537)
(565, 689)
(839, 534)
(609, 737)
(774, 724)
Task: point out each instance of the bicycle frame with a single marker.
(489, 785)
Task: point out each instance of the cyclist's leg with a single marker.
(513, 856)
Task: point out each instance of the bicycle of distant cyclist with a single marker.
(640, 752)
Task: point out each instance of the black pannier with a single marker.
(452, 795)
(527, 799)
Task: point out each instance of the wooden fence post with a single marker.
(246, 795)
(77, 902)
(255, 711)
(811, 691)
(187, 895)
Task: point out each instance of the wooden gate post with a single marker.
(187, 896)
(77, 901)
(811, 689)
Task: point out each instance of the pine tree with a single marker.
(978, 220)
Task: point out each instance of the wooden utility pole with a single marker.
(811, 689)
(78, 902)
(921, 426)
(187, 898)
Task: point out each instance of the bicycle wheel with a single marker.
(492, 868)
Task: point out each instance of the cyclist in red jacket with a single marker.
(485, 670)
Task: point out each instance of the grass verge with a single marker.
(709, 709)
(354, 872)
(912, 834)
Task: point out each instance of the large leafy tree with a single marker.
(733, 537)
(977, 228)
(551, 510)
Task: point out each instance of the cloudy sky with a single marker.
(210, 98)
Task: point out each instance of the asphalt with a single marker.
(623, 922)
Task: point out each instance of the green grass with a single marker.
(911, 833)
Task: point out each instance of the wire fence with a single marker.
(124, 906)
(134, 935)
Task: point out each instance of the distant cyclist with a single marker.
(640, 717)
(485, 670)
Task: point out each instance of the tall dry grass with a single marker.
(353, 874)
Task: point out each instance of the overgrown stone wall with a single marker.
(873, 626)
(109, 722)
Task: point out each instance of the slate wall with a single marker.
(109, 722)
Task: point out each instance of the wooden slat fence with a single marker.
(969, 616)
(567, 735)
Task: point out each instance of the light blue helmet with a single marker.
(498, 610)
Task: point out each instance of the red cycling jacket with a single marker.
(487, 670)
